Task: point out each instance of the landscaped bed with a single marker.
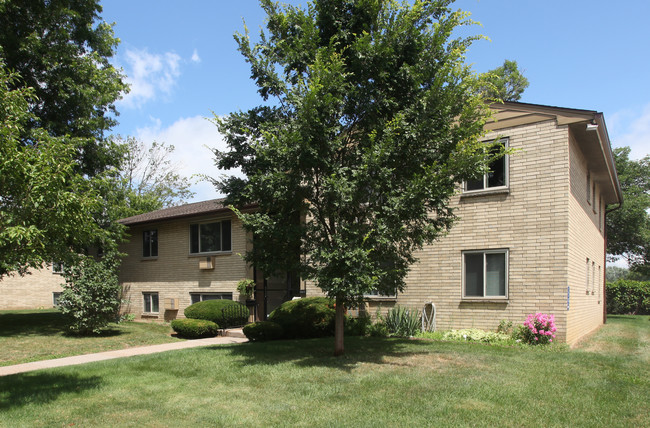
(34, 335)
(378, 382)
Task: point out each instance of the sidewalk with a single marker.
(121, 353)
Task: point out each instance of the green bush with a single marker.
(304, 318)
(378, 329)
(403, 322)
(358, 326)
(476, 335)
(195, 328)
(628, 297)
(263, 330)
(91, 294)
(213, 310)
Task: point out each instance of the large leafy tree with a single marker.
(371, 121)
(61, 50)
(628, 228)
(46, 206)
(504, 83)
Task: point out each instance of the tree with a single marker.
(504, 83)
(628, 228)
(60, 51)
(373, 123)
(45, 205)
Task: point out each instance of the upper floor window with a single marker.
(210, 237)
(588, 187)
(496, 177)
(150, 243)
(57, 267)
(485, 274)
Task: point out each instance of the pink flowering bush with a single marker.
(539, 329)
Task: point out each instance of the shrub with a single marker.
(403, 322)
(213, 310)
(195, 328)
(628, 297)
(539, 329)
(263, 330)
(91, 294)
(476, 335)
(304, 318)
(378, 329)
(358, 326)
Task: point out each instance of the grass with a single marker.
(378, 382)
(27, 336)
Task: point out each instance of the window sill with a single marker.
(380, 298)
(214, 253)
(144, 259)
(485, 300)
(150, 314)
(485, 192)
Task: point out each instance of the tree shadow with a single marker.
(40, 388)
(320, 352)
(32, 323)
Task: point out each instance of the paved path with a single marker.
(121, 353)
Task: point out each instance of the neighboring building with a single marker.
(40, 288)
(531, 238)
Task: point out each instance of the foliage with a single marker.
(195, 328)
(224, 312)
(305, 318)
(46, 206)
(476, 335)
(505, 326)
(91, 295)
(62, 50)
(614, 273)
(539, 329)
(628, 297)
(628, 227)
(504, 83)
(402, 322)
(263, 330)
(371, 123)
(359, 326)
(246, 287)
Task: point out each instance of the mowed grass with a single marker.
(35, 335)
(378, 382)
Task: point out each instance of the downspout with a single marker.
(607, 211)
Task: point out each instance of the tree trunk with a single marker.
(338, 327)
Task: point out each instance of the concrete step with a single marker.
(234, 332)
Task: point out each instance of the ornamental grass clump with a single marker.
(539, 329)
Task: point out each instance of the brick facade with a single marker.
(35, 290)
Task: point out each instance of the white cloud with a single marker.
(149, 75)
(190, 136)
(195, 56)
(632, 128)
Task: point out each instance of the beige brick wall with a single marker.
(586, 251)
(175, 272)
(30, 291)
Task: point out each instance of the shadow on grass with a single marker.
(41, 323)
(320, 352)
(41, 388)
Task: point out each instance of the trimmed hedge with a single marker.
(628, 297)
(305, 318)
(195, 329)
(263, 330)
(213, 310)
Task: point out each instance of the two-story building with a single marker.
(530, 238)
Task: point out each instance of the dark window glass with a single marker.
(194, 238)
(150, 243)
(474, 275)
(210, 237)
(225, 235)
(150, 302)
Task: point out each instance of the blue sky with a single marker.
(183, 65)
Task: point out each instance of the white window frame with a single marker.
(504, 251)
(200, 252)
(56, 296)
(150, 294)
(506, 172)
(223, 295)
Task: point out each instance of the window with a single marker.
(497, 177)
(593, 278)
(150, 243)
(600, 213)
(593, 196)
(55, 298)
(588, 187)
(57, 267)
(200, 297)
(485, 274)
(587, 285)
(375, 294)
(150, 302)
(210, 237)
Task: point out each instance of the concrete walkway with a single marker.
(121, 353)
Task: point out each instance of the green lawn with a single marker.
(379, 382)
(41, 335)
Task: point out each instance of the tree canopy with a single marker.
(372, 120)
(628, 228)
(61, 50)
(504, 83)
